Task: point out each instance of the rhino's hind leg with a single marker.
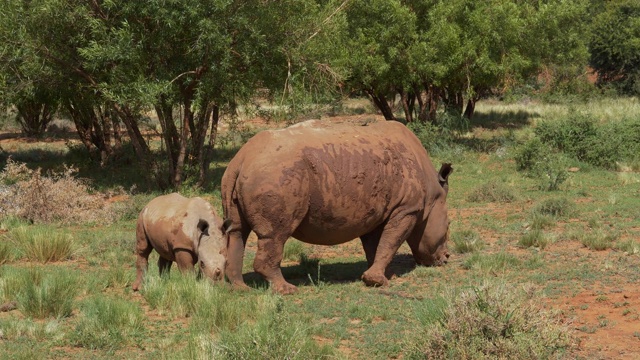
(143, 249)
(393, 235)
(267, 264)
(164, 265)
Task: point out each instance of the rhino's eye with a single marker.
(202, 265)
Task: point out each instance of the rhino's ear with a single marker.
(203, 228)
(226, 226)
(443, 176)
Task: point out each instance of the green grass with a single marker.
(534, 238)
(107, 323)
(493, 192)
(466, 241)
(43, 294)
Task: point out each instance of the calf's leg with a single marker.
(143, 249)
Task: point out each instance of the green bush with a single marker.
(432, 137)
(586, 139)
(540, 162)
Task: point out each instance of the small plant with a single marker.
(494, 191)
(492, 321)
(534, 238)
(42, 244)
(43, 295)
(556, 207)
(540, 162)
(107, 323)
(466, 241)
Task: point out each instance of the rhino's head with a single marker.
(429, 243)
(212, 248)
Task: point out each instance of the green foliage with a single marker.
(615, 46)
(42, 243)
(586, 139)
(466, 241)
(492, 321)
(434, 138)
(46, 294)
(494, 191)
(598, 239)
(539, 161)
(107, 323)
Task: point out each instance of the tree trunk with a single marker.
(207, 151)
(404, 99)
(382, 104)
(470, 109)
(187, 119)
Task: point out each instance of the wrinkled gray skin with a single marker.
(327, 184)
(187, 231)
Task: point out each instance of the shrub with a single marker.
(493, 321)
(600, 144)
(44, 294)
(539, 161)
(432, 137)
(494, 191)
(42, 244)
(557, 207)
(108, 323)
(466, 241)
(58, 197)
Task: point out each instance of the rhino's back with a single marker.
(353, 177)
(167, 222)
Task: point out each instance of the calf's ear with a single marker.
(443, 176)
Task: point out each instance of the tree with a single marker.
(615, 46)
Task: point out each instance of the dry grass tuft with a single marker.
(56, 197)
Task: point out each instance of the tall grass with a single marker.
(466, 241)
(42, 243)
(43, 294)
(108, 323)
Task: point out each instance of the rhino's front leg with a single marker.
(267, 264)
(393, 235)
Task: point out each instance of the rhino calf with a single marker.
(183, 230)
(328, 184)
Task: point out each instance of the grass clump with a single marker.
(56, 197)
(42, 244)
(466, 241)
(43, 294)
(275, 335)
(293, 250)
(631, 247)
(5, 251)
(494, 191)
(558, 207)
(108, 324)
(598, 240)
(534, 238)
(495, 321)
(500, 261)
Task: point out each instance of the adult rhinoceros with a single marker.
(330, 183)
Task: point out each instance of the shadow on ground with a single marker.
(503, 119)
(312, 272)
